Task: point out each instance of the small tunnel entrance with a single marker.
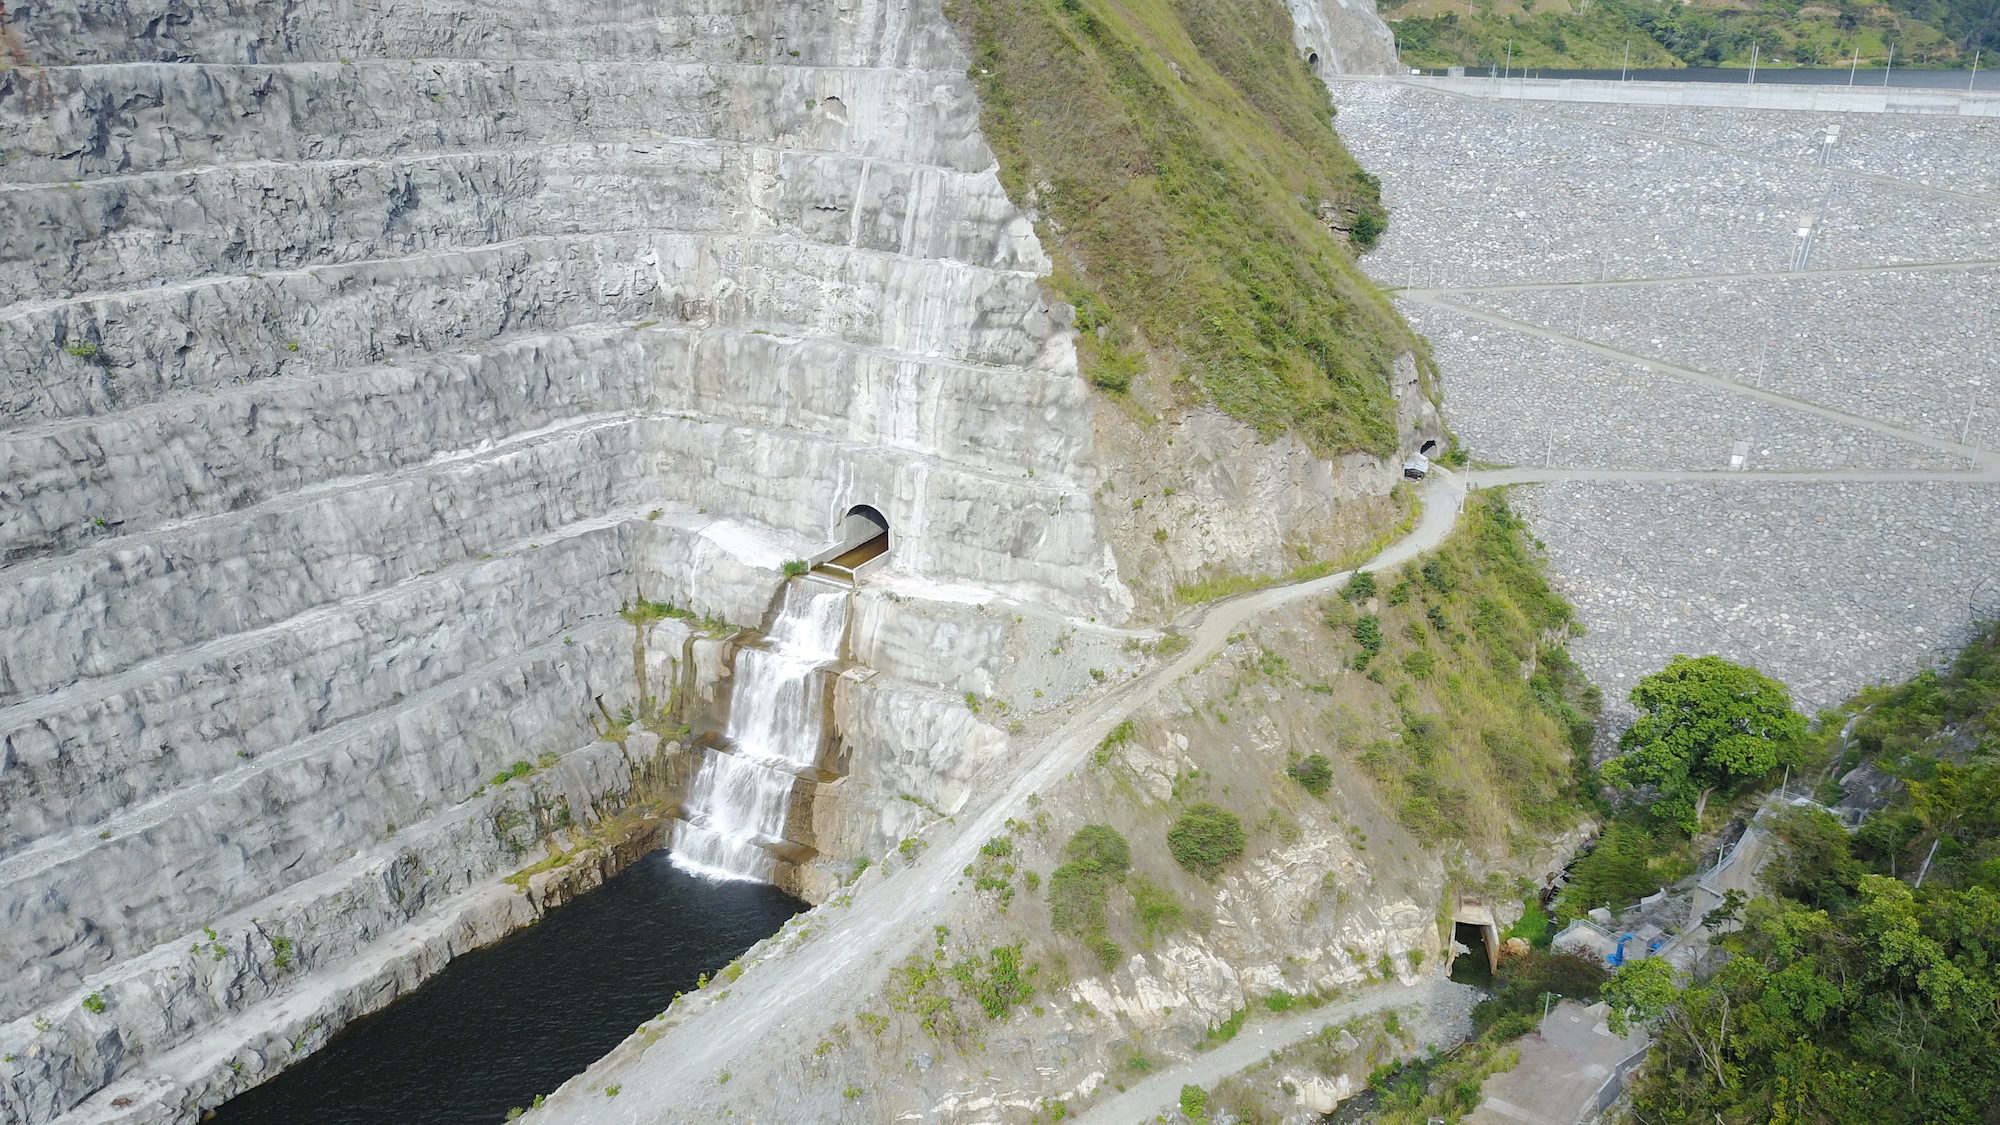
(1475, 965)
(863, 546)
(1429, 449)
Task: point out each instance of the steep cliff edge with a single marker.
(1205, 221)
(363, 361)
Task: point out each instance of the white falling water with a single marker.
(776, 718)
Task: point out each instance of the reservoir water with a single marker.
(518, 1018)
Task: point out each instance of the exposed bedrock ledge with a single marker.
(152, 343)
(210, 1012)
(1199, 496)
(1342, 37)
(871, 33)
(74, 757)
(1020, 536)
(144, 345)
(189, 224)
(137, 118)
(78, 901)
(100, 611)
(912, 756)
(89, 481)
(862, 396)
(1000, 650)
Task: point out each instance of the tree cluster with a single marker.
(1865, 986)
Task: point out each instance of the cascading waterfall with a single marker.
(739, 801)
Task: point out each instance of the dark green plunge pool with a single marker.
(505, 1023)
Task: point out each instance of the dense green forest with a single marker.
(1667, 33)
(1866, 986)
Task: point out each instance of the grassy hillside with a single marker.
(1181, 164)
(1494, 718)
(1667, 33)
(1596, 38)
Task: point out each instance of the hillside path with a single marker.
(1161, 1092)
(833, 974)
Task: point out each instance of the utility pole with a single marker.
(1752, 80)
(1926, 869)
(1975, 72)
(1890, 65)
(1510, 61)
(1625, 63)
(1856, 63)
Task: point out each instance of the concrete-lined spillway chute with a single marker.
(862, 547)
(738, 821)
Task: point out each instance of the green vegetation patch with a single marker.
(1313, 773)
(1156, 907)
(992, 871)
(1119, 736)
(929, 985)
(1849, 993)
(1523, 984)
(1206, 838)
(1705, 725)
(1223, 1032)
(1495, 720)
(1094, 858)
(1629, 862)
(1666, 34)
(1596, 39)
(1439, 1087)
(1181, 161)
(645, 612)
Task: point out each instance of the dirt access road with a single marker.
(793, 996)
(1161, 1092)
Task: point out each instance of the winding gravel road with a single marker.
(1143, 1102)
(843, 962)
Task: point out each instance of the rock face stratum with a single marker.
(360, 361)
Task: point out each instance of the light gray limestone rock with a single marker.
(1342, 37)
(359, 361)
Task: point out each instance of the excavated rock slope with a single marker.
(358, 361)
